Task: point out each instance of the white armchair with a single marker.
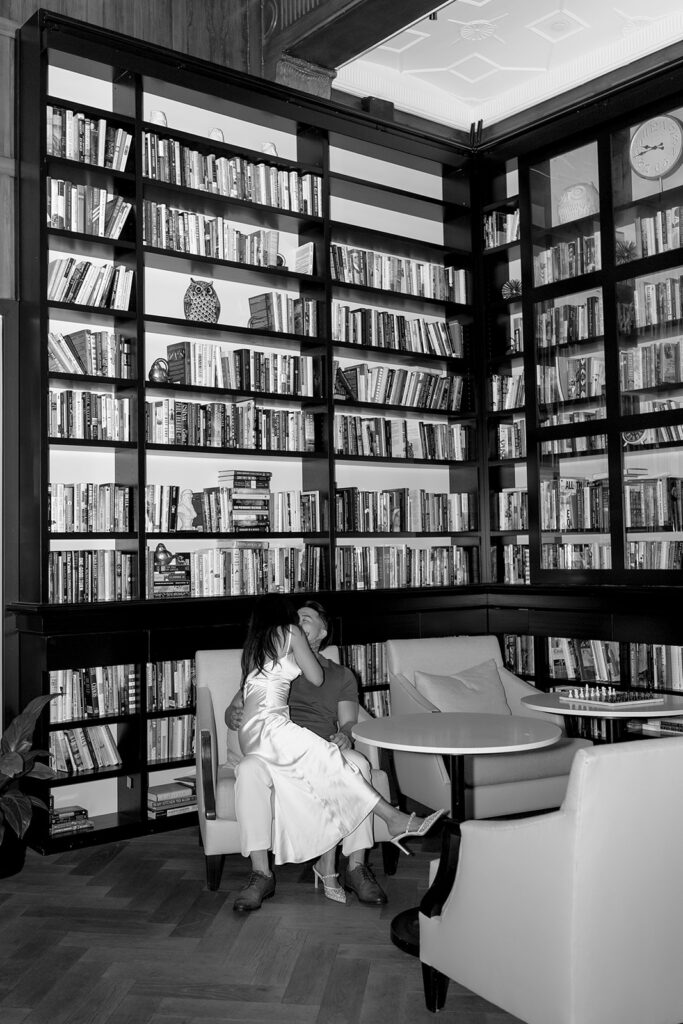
(574, 917)
(494, 784)
(217, 752)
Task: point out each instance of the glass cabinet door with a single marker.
(574, 504)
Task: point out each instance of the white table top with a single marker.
(551, 702)
(451, 732)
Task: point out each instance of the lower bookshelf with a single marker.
(129, 669)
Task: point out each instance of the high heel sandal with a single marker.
(332, 892)
(416, 832)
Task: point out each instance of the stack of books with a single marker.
(172, 798)
(247, 499)
(172, 575)
(69, 819)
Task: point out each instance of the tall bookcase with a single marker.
(245, 365)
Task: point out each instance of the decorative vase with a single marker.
(578, 200)
(12, 854)
(200, 302)
(158, 371)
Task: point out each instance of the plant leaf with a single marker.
(41, 771)
(18, 811)
(17, 735)
(11, 764)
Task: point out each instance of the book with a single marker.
(171, 812)
(165, 791)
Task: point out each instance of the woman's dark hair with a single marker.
(271, 614)
(317, 607)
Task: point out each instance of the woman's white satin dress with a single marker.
(318, 797)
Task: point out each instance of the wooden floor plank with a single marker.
(128, 934)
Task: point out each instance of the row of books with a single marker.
(656, 666)
(377, 702)
(170, 684)
(277, 311)
(84, 749)
(166, 227)
(253, 567)
(93, 692)
(580, 255)
(89, 283)
(170, 738)
(404, 509)
(388, 437)
(650, 364)
(395, 385)
(574, 503)
(501, 227)
(380, 328)
(167, 159)
(89, 415)
(574, 445)
(74, 135)
(592, 555)
(518, 653)
(240, 424)
(506, 391)
(657, 302)
(386, 272)
(588, 661)
(654, 554)
(83, 576)
(516, 564)
(568, 322)
(368, 662)
(660, 232)
(570, 379)
(169, 799)
(69, 819)
(99, 353)
(511, 440)
(361, 567)
(90, 507)
(511, 509)
(85, 208)
(241, 369)
(653, 503)
(223, 510)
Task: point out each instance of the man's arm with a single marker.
(234, 711)
(347, 716)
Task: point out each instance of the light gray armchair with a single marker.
(573, 917)
(217, 753)
(466, 673)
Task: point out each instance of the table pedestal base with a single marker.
(405, 931)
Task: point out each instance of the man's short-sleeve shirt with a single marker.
(315, 707)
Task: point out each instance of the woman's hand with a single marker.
(234, 712)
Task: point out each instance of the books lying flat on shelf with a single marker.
(172, 578)
(605, 696)
(170, 799)
(171, 812)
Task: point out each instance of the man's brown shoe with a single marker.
(363, 883)
(260, 887)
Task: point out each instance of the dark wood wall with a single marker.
(215, 30)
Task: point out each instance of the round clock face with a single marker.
(657, 147)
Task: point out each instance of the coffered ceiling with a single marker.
(487, 60)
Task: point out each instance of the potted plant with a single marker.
(18, 761)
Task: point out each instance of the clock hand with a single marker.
(660, 145)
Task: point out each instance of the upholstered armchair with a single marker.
(217, 753)
(466, 673)
(573, 917)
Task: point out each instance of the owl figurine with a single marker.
(200, 302)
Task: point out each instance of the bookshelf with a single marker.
(449, 380)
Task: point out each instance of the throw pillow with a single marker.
(477, 689)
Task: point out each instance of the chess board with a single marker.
(621, 698)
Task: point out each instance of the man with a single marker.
(330, 711)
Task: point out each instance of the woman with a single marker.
(318, 797)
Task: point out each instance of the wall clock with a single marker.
(657, 147)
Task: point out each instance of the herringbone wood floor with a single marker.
(128, 933)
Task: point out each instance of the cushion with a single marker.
(477, 689)
(523, 765)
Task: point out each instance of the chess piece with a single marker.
(186, 510)
(200, 302)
